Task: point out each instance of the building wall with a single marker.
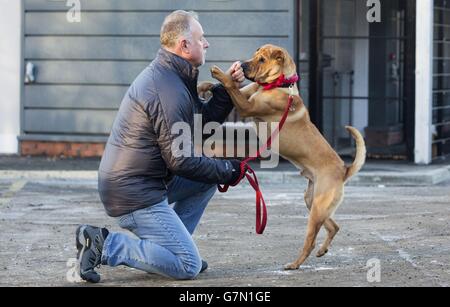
(10, 71)
(84, 68)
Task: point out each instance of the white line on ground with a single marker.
(13, 190)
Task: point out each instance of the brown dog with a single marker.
(300, 141)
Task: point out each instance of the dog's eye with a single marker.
(261, 60)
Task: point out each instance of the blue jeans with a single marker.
(164, 245)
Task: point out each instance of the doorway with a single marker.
(360, 75)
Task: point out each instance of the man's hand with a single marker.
(237, 173)
(236, 73)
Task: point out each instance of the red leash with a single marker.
(261, 220)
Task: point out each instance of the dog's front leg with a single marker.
(204, 89)
(247, 108)
(240, 97)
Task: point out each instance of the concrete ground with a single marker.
(404, 229)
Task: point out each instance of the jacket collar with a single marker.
(177, 64)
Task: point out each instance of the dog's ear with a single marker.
(279, 56)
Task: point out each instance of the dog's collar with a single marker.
(282, 81)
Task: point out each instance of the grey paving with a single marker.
(406, 229)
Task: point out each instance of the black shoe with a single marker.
(89, 243)
(204, 266)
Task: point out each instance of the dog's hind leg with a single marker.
(332, 229)
(324, 204)
(309, 195)
(330, 225)
(309, 192)
(315, 221)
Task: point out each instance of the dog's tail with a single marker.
(360, 157)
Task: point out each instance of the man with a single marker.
(140, 175)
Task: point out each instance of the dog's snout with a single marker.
(247, 70)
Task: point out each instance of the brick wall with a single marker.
(57, 149)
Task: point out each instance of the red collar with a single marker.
(280, 82)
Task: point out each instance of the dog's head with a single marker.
(268, 63)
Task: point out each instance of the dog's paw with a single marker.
(321, 253)
(217, 73)
(290, 267)
(224, 78)
(204, 89)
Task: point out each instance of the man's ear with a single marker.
(184, 45)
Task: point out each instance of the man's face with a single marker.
(197, 45)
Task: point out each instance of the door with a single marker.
(359, 75)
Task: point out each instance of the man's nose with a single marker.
(206, 44)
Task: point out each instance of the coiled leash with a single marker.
(248, 172)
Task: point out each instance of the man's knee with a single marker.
(191, 269)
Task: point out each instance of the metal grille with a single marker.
(441, 80)
(334, 42)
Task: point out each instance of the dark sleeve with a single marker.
(218, 107)
(177, 149)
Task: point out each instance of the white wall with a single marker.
(10, 71)
(424, 81)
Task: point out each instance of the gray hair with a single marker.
(176, 24)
